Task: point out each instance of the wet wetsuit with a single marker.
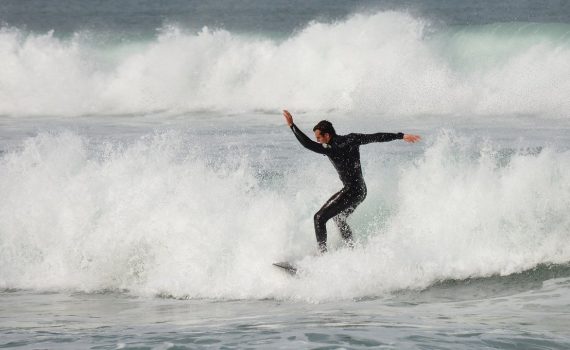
(344, 153)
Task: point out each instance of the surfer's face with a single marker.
(322, 138)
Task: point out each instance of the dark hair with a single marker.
(325, 127)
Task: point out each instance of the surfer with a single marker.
(343, 152)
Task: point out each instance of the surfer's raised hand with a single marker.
(411, 138)
(288, 117)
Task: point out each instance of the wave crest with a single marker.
(158, 216)
(388, 63)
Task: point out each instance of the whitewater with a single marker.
(388, 63)
(148, 182)
(162, 216)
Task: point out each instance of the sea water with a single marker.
(148, 180)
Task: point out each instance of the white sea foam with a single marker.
(159, 216)
(387, 62)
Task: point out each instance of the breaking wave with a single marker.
(388, 63)
(160, 216)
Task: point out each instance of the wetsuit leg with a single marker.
(340, 219)
(345, 231)
(344, 201)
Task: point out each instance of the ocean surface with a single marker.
(148, 180)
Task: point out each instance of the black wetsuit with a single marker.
(344, 153)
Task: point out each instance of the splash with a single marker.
(160, 216)
(389, 63)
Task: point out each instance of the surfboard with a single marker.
(286, 266)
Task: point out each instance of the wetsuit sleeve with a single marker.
(363, 139)
(307, 142)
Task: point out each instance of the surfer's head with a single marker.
(324, 131)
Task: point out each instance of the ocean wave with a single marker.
(389, 63)
(158, 216)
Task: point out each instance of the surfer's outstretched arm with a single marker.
(303, 139)
(363, 139)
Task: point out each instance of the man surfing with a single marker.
(343, 152)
